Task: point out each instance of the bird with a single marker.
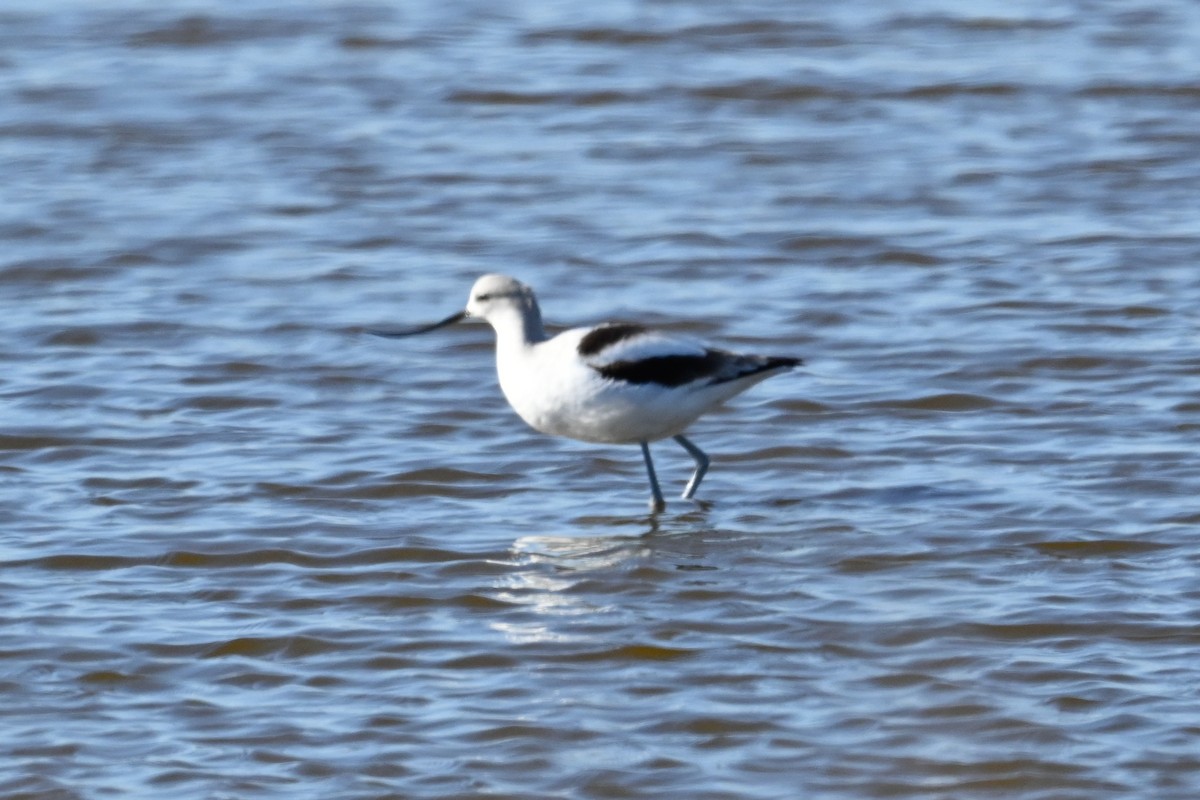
(612, 383)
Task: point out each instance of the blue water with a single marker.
(248, 551)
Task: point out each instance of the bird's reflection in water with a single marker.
(572, 576)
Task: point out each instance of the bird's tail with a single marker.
(746, 366)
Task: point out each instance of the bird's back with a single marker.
(624, 383)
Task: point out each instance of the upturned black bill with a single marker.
(402, 332)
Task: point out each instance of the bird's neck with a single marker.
(519, 327)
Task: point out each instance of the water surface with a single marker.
(247, 551)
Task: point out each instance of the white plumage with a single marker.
(613, 383)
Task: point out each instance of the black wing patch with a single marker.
(665, 370)
(717, 366)
(597, 339)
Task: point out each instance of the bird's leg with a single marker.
(701, 466)
(657, 503)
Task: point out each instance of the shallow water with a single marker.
(248, 551)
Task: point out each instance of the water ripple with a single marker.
(248, 550)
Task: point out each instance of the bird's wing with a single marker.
(605, 345)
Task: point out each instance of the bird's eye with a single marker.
(482, 298)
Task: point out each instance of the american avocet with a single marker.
(614, 383)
